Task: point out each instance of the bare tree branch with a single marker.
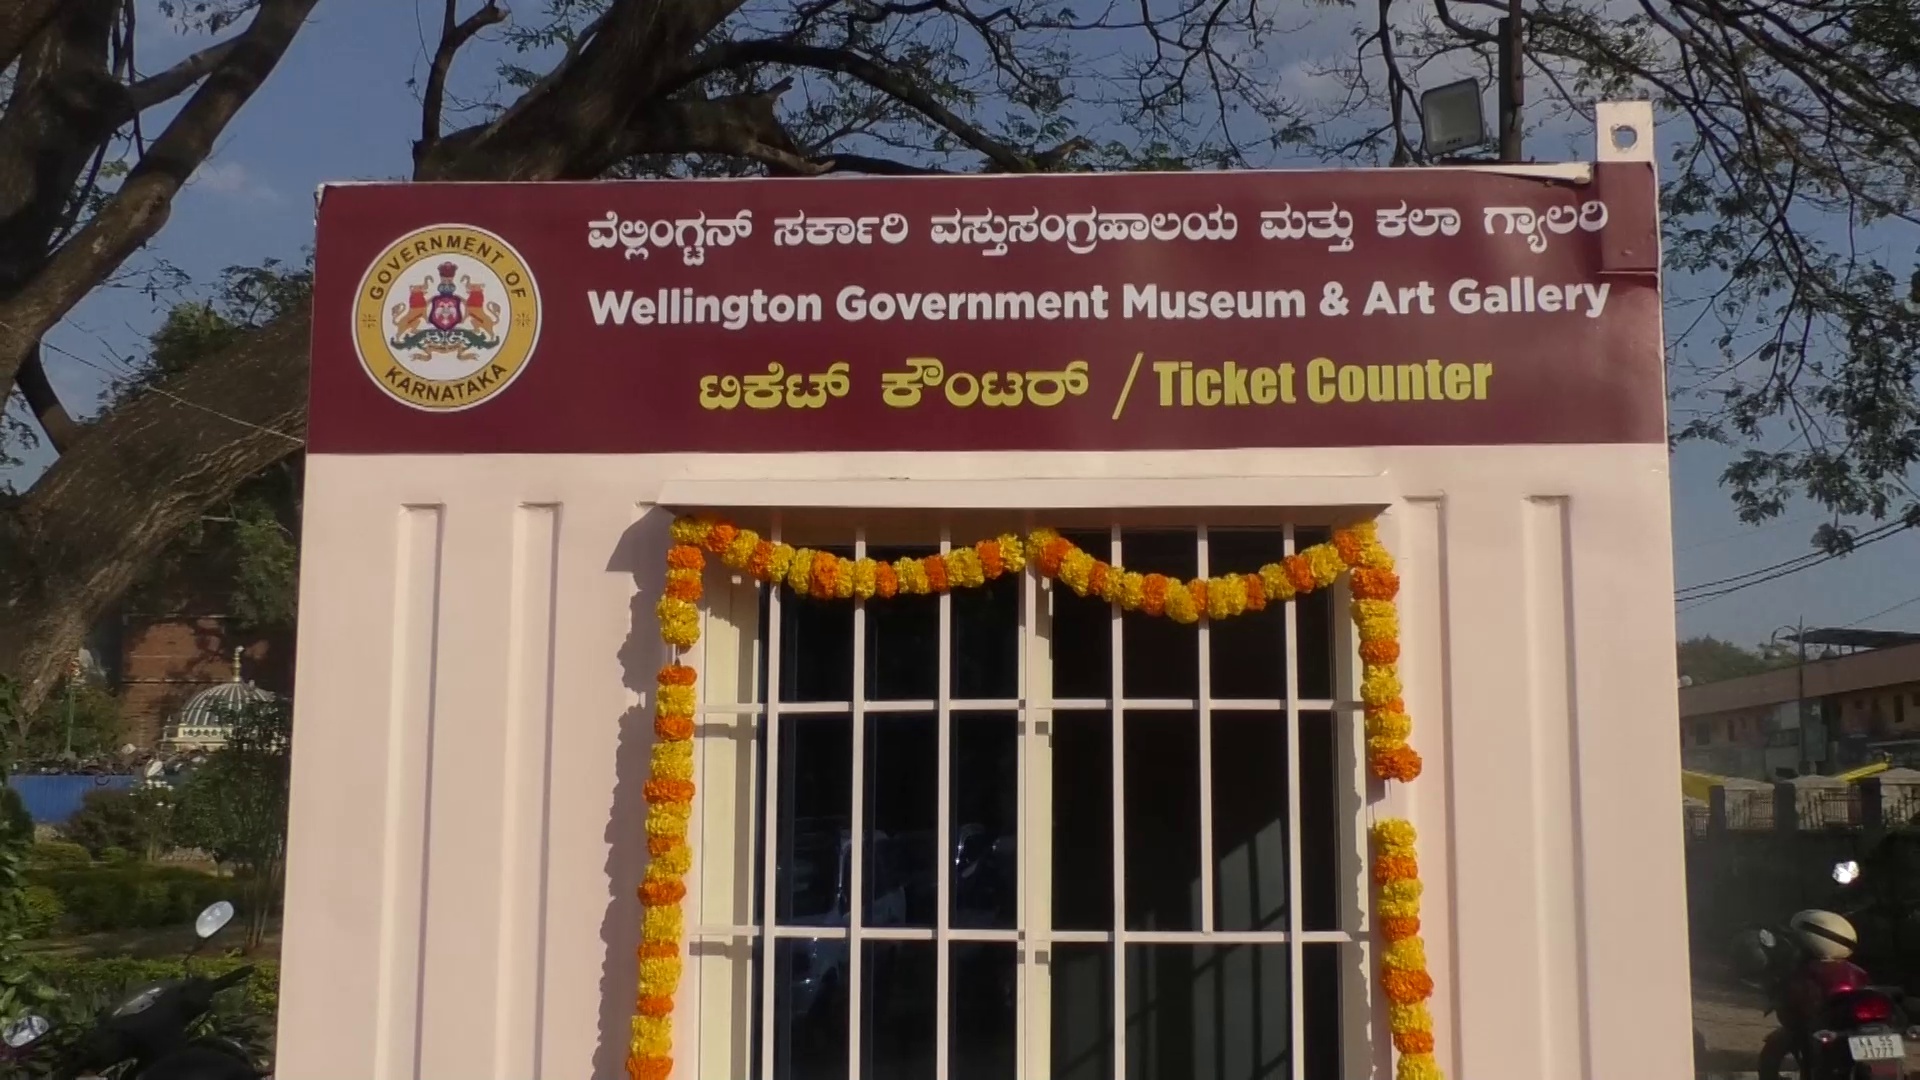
(60, 429)
(176, 80)
(453, 36)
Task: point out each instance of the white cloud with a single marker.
(232, 179)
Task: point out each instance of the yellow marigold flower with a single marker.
(1279, 586)
(1226, 597)
(1394, 832)
(1180, 605)
(1380, 686)
(800, 571)
(679, 621)
(1380, 744)
(676, 862)
(1394, 727)
(1404, 1018)
(673, 701)
(1012, 555)
(688, 530)
(661, 924)
(779, 563)
(1402, 892)
(1417, 1067)
(660, 976)
(842, 578)
(1370, 610)
(1407, 954)
(673, 760)
(1038, 539)
(652, 1035)
(1326, 564)
(1076, 569)
(913, 576)
(741, 549)
(865, 579)
(964, 569)
(1133, 590)
(668, 819)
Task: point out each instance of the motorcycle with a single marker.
(1836, 1023)
(149, 1034)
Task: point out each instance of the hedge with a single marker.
(110, 978)
(135, 896)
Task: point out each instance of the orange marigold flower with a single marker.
(1380, 652)
(1050, 555)
(1397, 705)
(1256, 592)
(824, 569)
(658, 950)
(720, 536)
(662, 893)
(656, 1005)
(1401, 763)
(686, 557)
(1400, 928)
(669, 791)
(1406, 987)
(1197, 588)
(1155, 588)
(661, 845)
(1375, 584)
(673, 728)
(1300, 572)
(1413, 1042)
(886, 581)
(649, 1068)
(1349, 546)
(1097, 578)
(687, 589)
(991, 564)
(758, 561)
(677, 675)
(1395, 868)
(936, 573)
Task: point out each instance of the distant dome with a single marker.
(206, 719)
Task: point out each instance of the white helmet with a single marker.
(1824, 935)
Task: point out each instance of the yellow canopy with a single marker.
(1695, 785)
(1865, 771)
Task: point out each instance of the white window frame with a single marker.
(716, 1039)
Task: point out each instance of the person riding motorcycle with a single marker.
(1800, 980)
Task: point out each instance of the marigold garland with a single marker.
(1355, 552)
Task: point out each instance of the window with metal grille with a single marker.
(1010, 832)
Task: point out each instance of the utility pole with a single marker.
(1513, 82)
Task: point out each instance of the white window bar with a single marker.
(943, 883)
(856, 840)
(1025, 960)
(1296, 951)
(770, 828)
(1204, 636)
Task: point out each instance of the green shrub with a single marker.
(59, 853)
(109, 978)
(40, 911)
(16, 824)
(117, 856)
(133, 896)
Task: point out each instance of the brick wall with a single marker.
(166, 659)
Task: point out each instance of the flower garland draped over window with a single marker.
(1354, 551)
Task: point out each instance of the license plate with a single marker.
(1876, 1047)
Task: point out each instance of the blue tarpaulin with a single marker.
(53, 798)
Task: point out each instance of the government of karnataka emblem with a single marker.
(446, 317)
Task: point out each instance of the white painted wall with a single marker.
(467, 818)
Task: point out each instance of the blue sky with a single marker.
(340, 108)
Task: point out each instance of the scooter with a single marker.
(150, 1030)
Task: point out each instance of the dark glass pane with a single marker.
(816, 808)
(816, 646)
(981, 1012)
(900, 833)
(1200, 1012)
(1082, 821)
(1081, 1033)
(903, 640)
(1315, 622)
(984, 826)
(1083, 633)
(1163, 820)
(1162, 656)
(1250, 820)
(1320, 974)
(1321, 782)
(810, 1010)
(1248, 651)
(986, 640)
(897, 1010)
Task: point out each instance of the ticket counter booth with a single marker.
(1147, 626)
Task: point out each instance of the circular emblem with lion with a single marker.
(446, 318)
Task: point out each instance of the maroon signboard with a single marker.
(1071, 312)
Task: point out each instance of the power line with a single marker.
(1800, 562)
(1904, 603)
(1744, 533)
(1699, 598)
